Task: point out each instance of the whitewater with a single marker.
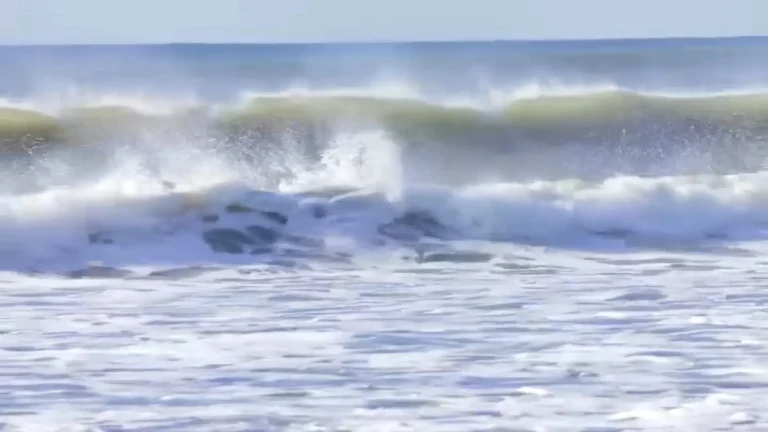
(563, 236)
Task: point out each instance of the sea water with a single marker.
(509, 236)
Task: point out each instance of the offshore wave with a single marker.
(521, 110)
(508, 135)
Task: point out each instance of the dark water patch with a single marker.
(100, 272)
(696, 267)
(527, 269)
(638, 261)
(183, 273)
(455, 257)
(640, 295)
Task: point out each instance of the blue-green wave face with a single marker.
(456, 112)
(603, 108)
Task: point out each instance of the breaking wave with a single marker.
(122, 223)
(518, 111)
(326, 175)
(356, 198)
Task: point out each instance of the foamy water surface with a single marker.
(661, 330)
(540, 340)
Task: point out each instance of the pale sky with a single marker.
(161, 21)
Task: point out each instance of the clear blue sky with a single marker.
(151, 21)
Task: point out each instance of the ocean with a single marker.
(474, 236)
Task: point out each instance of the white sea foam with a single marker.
(55, 223)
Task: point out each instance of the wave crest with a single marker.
(594, 133)
(593, 109)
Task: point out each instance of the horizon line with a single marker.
(398, 42)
